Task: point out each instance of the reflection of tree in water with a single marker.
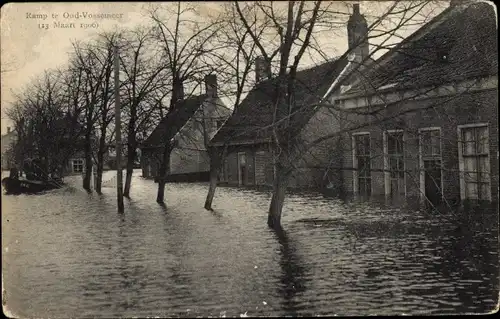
(293, 274)
(130, 275)
(178, 281)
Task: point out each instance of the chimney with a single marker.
(355, 9)
(178, 87)
(357, 34)
(262, 69)
(211, 85)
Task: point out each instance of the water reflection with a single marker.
(71, 254)
(293, 279)
(464, 253)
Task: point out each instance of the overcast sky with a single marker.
(27, 50)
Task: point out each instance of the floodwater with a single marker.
(70, 254)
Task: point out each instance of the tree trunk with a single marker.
(280, 185)
(98, 183)
(100, 168)
(130, 170)
(88, 162)
(215, 164)
(162, 174)
(128, 180)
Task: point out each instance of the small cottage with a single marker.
(190, 126)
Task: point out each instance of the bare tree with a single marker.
(42, 122)
(234, 64)
(284, 34)
(185, 39)
(9, 63)
(144, 76)
(453, 49)
(96, 73)
(102, 50)
(281, 34)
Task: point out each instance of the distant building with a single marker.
(110, 157)
(8, 141)
(192, 124)
(422, 122)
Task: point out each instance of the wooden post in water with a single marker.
(118, 133)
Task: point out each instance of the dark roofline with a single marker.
(419, 33)
(148, 143)
(274, 78)
(331, 69)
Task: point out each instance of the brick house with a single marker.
(249, 159)
(421, 123)
(191, 125)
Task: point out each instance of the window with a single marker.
(362, 164)
(395, 177)
(78, 165)
(431, 144)
(475, 162)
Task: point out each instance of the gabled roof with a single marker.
(458, 44)
(174, 121)
(251, 119)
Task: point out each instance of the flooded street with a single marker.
(70, 254)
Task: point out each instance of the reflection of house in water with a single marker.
(434, 132)
(191, 125)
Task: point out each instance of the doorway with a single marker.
(432, 180)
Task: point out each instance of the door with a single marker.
(432, 177)
(242, 169)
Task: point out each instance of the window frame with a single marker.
(461, 161)
(387, 172)
(422, 158)
(73, 164)
(355, 163)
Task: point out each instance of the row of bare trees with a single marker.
(176, 50)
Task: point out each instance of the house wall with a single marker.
(190, 154)
(319, 167)
(447, 113)
(184, 161)
(7, 142)
(258, 169)
(150, 161)
(68, 168)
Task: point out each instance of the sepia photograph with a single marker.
(249, 159)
